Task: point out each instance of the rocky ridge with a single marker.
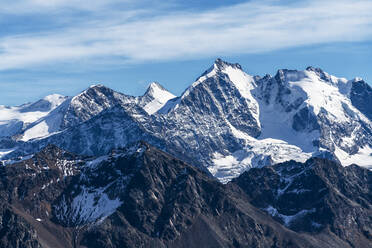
(141, 196)
(227, 121)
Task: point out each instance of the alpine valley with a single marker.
(235, 161)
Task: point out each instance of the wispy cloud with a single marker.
(38, 6)
(131, 36)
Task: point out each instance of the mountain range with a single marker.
(226, 122)
(235, 161)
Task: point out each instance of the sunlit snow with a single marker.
(161, 97)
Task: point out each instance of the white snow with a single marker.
(320, 94)
(362, 158)
(161, 97)
(55, 100)
(40, 130)
(66, 166)
(13, 113)
(277, 124)
(13, 119)
(91, 205)
(278, 141)
(242, 81)
(245, 84)
(257, 153)
(288, 219)
(212, 72)
(4, 152)
(48, 125)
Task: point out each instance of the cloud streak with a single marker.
(140, 35)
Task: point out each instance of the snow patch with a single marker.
(91, 205)
(288, 219)
(362, 158)
(4, 152)
(39, 130)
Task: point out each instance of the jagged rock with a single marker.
(227, 121)
(141, 196)
(319, 196)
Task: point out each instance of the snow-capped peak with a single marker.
(357, 79)
(15, 119)
(55, 99)
(219, 64)
(226, 119)
(155, 98)
(96, 86)
(157, 91)
(242, 81)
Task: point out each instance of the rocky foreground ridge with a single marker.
(140, 196)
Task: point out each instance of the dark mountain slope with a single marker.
(319, 196)
(136, 197)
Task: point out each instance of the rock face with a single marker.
(316, 196)
(227, 121)
(15, 231)
(140, 196)
(361, 97)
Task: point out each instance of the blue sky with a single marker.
(63, 46)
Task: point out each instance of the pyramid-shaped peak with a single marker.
(221, 64)
(53, 151)
(156, 90)
(97, 87)
(93, 89)
(218, 66)
(154, 86)
(155, 97)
